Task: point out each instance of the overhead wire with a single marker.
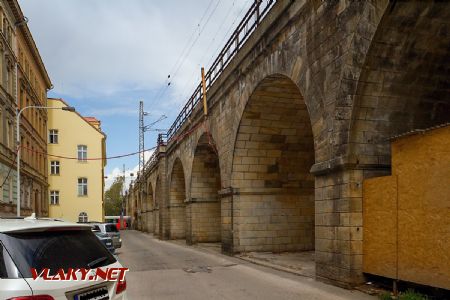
(185, 86)
(180, 61)
(238, 17)
(95, 158)
(199, 34)
(219, 45)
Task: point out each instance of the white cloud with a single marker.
(103, 47)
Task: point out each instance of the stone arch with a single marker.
(177, 197)
(273, 155)
(404, 80)
(138, 211)
(157, 205)
(149, 203)
(203, 207)
(135, 209)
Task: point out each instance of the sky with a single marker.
(104, 56)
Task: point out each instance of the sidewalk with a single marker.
(298, 263)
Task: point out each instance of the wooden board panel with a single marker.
(380, 226)
(423, 169)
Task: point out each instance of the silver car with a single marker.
(111, 230)
(33, 243)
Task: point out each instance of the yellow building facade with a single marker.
(76, 186)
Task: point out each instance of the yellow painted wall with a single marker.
(74, 131)
(407, 215)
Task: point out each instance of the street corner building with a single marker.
(77, 151)
(23, 82)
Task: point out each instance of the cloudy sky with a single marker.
(104, 56)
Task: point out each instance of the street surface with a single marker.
(168, 270)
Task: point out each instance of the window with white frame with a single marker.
(82, 217)
(54, 167)
(53, 136)
(82, 186)
(54, 197)
(82, 152)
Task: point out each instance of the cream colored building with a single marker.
(76, 186)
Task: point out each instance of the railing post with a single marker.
(258, 4)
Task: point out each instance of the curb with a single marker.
(274, 266)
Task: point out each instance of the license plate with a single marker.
(108, 244)
(95, 294)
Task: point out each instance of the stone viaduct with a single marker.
(297, 119)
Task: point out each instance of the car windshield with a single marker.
(111, 228)
(55, 250)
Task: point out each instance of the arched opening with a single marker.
(82, 217)
(404, 81)
(139, 209)
(273, 155)
(203, 210)
(135, 214)
(149, 214)
(403, 86)
(156, 207)
(177, 207)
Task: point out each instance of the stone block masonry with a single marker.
(297, 120)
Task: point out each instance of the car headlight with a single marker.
(120, 240)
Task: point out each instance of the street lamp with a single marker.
(66, 108)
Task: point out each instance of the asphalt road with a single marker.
(167, 270)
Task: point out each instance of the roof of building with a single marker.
(91, 119)
(33, 224)
(417, 131)
(84, 118)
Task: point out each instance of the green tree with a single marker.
(113, 198)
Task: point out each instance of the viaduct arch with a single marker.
(297, 120)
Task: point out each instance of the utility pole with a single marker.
(142, 129)
(141, 137)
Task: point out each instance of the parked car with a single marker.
(111, 230)
(105, 239)
(45, 244)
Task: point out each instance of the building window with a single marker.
(82, 186)
(53, 136)
(82, 217)
(9, 134)
(54, 167)
(54, 197)
(11, 187)
(82, 152)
